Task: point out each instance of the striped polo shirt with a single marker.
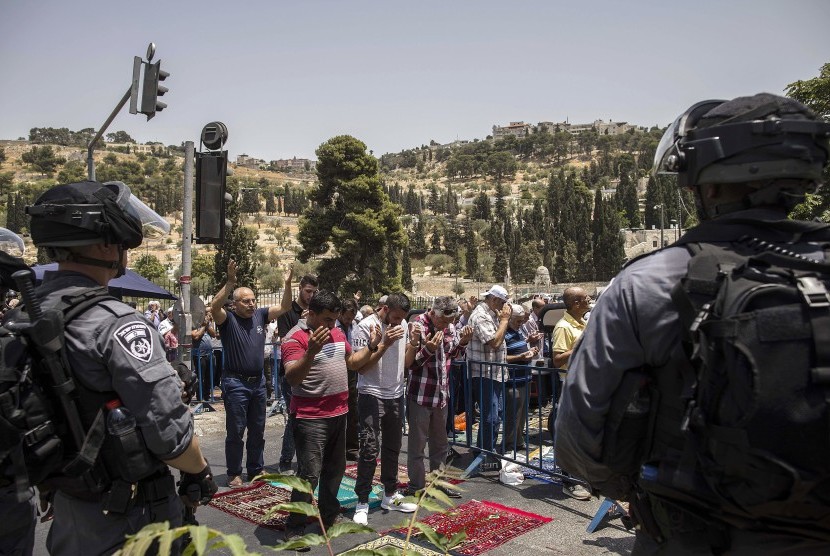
(325, 390)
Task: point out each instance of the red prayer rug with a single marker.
(487, 524)
(253, 502)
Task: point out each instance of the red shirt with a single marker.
(325, 390)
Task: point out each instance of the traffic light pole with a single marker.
(90, 163)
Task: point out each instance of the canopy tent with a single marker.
(131, 284)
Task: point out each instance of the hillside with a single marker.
(518, 171)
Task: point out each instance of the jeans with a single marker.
(321, 459)
(515, 415)
(244, 408)
(490, 394)
(287, 450)
(378, 417)
(426, 425)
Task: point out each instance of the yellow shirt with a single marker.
(565, 334)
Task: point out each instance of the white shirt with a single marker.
(385, 378)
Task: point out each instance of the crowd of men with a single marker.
(357, 373)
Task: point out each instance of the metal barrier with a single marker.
(513, 414)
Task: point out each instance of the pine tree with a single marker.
(406, 269)
(417, 241)
(470, 249)
(352, 217)
(239, 245)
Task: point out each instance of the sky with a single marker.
(285, 77)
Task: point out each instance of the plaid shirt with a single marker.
(485, 323)
(428, 376)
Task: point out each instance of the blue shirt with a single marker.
(516, 345)
(243, 341)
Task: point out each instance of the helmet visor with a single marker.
(154, 226)
(11, 243)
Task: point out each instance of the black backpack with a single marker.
(753, 447)
(41, 435)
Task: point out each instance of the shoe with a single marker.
(292, 534)
(352, 456)
(394, 503)
(450, 492)
(361, 514)
(576, 491)
(235, 481)
(286, 469)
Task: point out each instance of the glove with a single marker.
(198, 488)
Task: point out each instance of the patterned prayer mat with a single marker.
(543, 459)
(487, 524)
(253, 502)
(391, 541)
(403, 476)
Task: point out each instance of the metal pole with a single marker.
(679, 216)
(185, 339)
(90, 164)
(662, 206)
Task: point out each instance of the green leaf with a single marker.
(457, 539)
(237, 545)
(199, 536)
(436, 494)
(430, 533)
(312, 539)
(347, 527)
(166, 542)
(296, 483)
(431, 505)
(298, 508)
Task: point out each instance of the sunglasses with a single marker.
(447, 312)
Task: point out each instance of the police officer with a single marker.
(116, 357)
(18, 514)
(747, 161)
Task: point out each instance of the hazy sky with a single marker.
(286, 76)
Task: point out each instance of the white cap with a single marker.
(518, 310)
(165, 326)
(497, 291)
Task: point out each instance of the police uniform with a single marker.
(634, 326)
(113, 349)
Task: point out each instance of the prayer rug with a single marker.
(396, 543)
(403, 476)
(253, 502)
(543, 461)
(487, 524)
(348, 497)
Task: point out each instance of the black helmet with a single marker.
(89, 212)
(759, 138)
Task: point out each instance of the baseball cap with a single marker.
(497, 291)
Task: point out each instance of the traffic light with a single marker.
(152, 90)
(211, 197)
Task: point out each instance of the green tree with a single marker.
(43, 159)
(2, 155)
(119, 137)
(73, 171)
(406, 269)
(418, 240)
(351, 219)
(815, 93)
(608, 242)
(150, 267)
(501, 165)
(239, 245)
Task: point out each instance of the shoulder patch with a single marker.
(137, 340)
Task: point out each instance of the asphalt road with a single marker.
(565, 534)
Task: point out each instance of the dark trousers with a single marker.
(244, 408)
(321, 460)
(378, 417)
(352, 423)
(287, 450)
(515, 415)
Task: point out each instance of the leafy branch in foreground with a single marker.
(434, 499)
(204, 539)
